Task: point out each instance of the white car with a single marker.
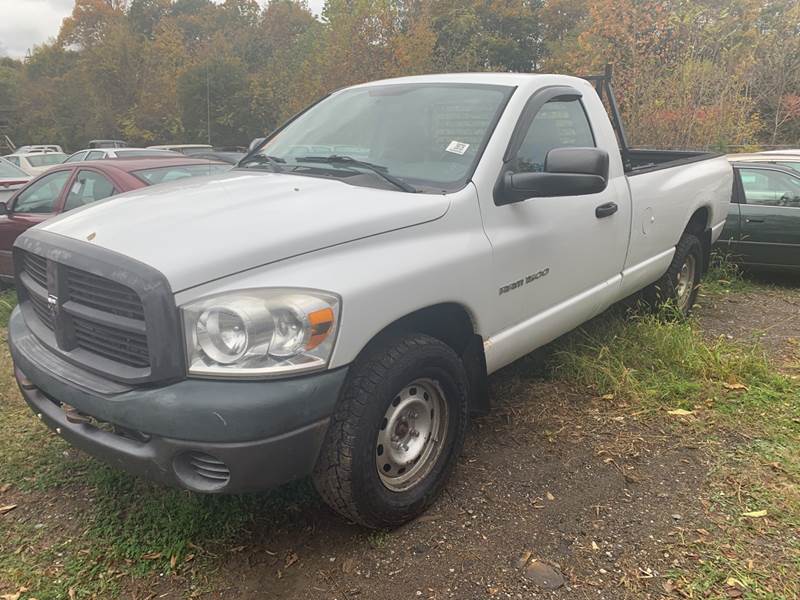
(36, 163)
(12, 178)
(788, 151)
(187, 149)
(38, 148)
(105, 153)
(333, 306)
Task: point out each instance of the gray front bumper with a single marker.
(246, 435)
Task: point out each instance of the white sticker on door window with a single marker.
(457, 147)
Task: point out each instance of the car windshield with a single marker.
(8, 171)
(175, 172)
(46, 159)
(425, 136)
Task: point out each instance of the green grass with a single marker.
(8, 300)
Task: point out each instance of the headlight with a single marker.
(260, 332)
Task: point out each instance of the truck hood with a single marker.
(205, 228)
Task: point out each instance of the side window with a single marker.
(42, 196)
(559, 124)
(770, 188)
(13, 159)
(96, 155)
(88, 187)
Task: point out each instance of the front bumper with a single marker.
(203, 435)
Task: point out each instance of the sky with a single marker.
(26, 23)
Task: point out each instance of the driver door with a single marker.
(769, 218)
(556, 260)
(32, 205)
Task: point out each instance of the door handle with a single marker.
(605, 210)
(750, 220)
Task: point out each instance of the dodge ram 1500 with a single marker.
(333, 306)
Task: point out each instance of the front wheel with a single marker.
(679, 285)
(396, 432)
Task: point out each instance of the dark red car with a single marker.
(72, 185)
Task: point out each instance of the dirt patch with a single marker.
(769, 316)
(575, 482)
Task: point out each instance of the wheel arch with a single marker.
(453, 324)
(700, 226)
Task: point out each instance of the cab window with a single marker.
(558, 124)
(88, 187)
(42, 196)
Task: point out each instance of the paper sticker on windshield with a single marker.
(457, 147)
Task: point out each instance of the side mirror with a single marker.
(4, 210)
(567, 172)
(254, 144)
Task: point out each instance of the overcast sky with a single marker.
(25, 23)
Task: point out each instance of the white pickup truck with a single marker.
(333, 306)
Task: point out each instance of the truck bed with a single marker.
(644, 160)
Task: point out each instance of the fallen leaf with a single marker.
(595, 546)
(10, 596)
(668, 586)
(7, 508)
(734, 386)
(680, 412)
(4, 488)
(151, 555)
(755, 514)
(550, 496)
(71, 593)
(291, 559)
(607, 397)
(173, 561)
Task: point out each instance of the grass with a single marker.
(116, 530)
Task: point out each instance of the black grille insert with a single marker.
(93, 313)
(111, 342)
(36, 268)
(103, 294)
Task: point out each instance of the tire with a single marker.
(678, 287)
(387, 393)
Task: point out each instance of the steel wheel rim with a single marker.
(411, 435)
(685, 283)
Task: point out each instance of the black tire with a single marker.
(346, 474)
(667, 290)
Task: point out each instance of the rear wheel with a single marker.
(679, 285)
(396, 432)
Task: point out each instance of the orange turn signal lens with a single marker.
(321, 325)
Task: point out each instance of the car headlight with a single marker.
(260, 332)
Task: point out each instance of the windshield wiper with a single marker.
(349, 161)
(264, 159)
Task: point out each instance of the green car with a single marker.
(763, 226)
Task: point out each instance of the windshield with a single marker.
(172, 173)
(9, 171)
(428, 136)
(46, 159)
